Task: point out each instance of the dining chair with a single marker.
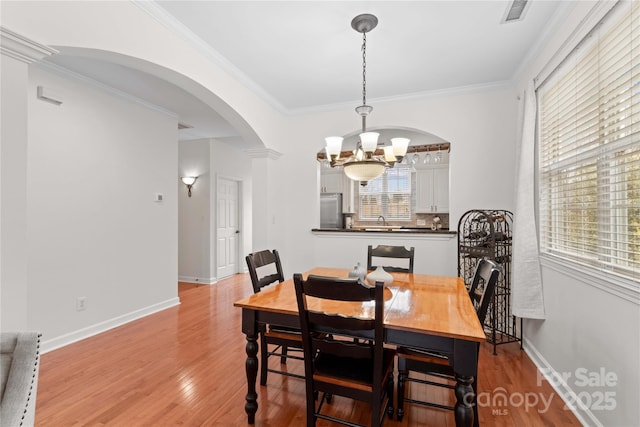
(438, 365)
(401, 256)
(335, 364)
(265, 269)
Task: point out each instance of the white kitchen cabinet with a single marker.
(432, 190)
(331, 182)
(335, 181)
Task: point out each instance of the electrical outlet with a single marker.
(81, 303)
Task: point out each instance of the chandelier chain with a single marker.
(364, 68)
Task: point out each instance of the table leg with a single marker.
(251, 365)
(465, 400)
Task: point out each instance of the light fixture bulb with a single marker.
(400, 146)
(369, 141)
(189, 181)
(334, 145)
(389, 157)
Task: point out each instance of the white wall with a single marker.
(481, 128)
(194, 242)
(13, 203)
(209, 159)
(586, 327)
(94, 229)
(432, 252)
(232, 163)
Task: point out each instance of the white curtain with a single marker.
(527, 299)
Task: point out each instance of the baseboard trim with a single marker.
(198, 280)
(565, 392)
(80, 334)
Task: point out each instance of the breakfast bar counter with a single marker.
(375, 230)
(435, 250)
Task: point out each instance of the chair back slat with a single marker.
(353, 349)
(385, 255)
(340, 289)
(264, 268)
(336, 322)
(483, 286)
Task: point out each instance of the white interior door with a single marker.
(227, 227)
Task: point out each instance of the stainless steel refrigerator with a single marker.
(331, 210)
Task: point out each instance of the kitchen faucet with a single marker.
(383, 221)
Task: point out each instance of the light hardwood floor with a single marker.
(185, 366)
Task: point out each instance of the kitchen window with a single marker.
(589, 150)
(388, 195)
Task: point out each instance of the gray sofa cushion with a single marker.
(19, 368)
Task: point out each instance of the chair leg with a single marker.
(375, 412)
(390, 396)
(476, 422)
(402, 379)
(264, 360)
(311, 396)
(283, 358)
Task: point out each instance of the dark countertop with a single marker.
(384, 231)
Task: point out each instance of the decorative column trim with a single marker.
(263, 153)
(21, 48)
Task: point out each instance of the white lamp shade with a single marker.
(188, 180)
(334, 145)
(365, 170)
(389, 154)
(369, 141)
(400, 146)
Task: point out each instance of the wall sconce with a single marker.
(189, 181)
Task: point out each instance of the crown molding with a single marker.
(176, 27)
(21, 48)
(416, 96)
(263, 153)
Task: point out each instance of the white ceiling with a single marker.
(304, 56)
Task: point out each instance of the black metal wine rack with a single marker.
(488, 234)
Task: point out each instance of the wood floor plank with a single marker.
(185, 366)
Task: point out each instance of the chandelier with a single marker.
(367, 162)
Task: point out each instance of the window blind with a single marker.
(388, 195)
(589, 149)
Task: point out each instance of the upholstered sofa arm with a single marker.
(19, 367)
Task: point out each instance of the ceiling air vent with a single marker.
(183, 126)
(515, 11)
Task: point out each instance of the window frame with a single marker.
(616, 278)
(408, 193)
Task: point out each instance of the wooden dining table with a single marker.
(421, 311)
